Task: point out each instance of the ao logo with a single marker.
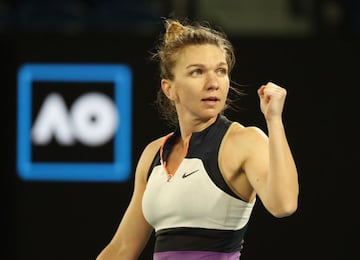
(92, 120)
(74, 122)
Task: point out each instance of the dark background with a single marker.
(75, 220)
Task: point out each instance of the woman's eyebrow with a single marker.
(202, 65)
(195, 65)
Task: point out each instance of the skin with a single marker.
(252, 163)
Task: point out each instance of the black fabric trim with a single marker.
(154, 163)
(205, 146)
(199, 239)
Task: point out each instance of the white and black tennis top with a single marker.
(195, 214)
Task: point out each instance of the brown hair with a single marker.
(176, 37)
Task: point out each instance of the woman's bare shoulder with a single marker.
(151, 149)
(155, 144)
(246, 133)
(147, 156)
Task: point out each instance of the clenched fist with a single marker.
(272, 99)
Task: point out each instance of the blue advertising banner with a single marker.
(74, 122)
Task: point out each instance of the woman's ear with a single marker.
(167, 88)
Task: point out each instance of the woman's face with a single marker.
(201, 82)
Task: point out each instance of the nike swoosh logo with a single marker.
(188, 174)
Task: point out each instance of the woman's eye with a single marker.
(196, 72)
(222, 71)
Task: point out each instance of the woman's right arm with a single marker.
(133, 232)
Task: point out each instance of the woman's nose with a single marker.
(212, 81)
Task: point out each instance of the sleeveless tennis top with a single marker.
(195, 214)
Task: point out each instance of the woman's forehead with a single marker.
(201, 54)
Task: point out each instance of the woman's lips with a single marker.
(210, 100)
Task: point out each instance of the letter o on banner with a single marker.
(94, 118)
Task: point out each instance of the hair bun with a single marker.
(173, 30)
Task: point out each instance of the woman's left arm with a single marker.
(275, 179)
